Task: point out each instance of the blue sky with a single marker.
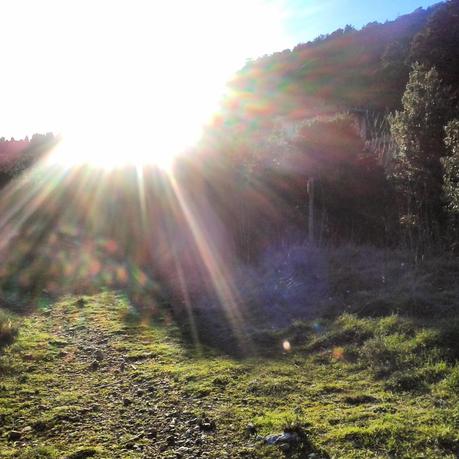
(309, 18)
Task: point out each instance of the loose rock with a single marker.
(286, 438)
(206, 424)
(251, 429)
(14, 435)
(98, 355)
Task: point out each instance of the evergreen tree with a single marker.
(451, 167)
(418, 131)
(437, 44)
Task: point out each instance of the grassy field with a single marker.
(87, 377)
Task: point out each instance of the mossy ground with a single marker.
(87, 378)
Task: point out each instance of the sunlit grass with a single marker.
(345, 407)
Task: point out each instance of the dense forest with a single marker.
(370, 114)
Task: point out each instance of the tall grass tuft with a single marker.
(8, 329)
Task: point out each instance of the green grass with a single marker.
(358, 387)
(8, 328)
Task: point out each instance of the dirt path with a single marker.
(84, 386)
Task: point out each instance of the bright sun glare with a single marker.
(128, 82)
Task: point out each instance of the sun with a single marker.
(110, 148)
(109, 155)
(135, 82)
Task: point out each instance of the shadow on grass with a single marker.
(207, 328)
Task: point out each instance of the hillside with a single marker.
(348, 68)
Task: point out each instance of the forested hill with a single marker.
(349, 68)
(18, 155)
(362, 111)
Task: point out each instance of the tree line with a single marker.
(298, 114)
(367, 119)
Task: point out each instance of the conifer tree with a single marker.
(418, 131)
(451, 167)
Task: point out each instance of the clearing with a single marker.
(87, 377)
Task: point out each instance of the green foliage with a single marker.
(355, 71)
(451, 166)
(418, 131)
(342, 68)
(452, 382)
(437, 44)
